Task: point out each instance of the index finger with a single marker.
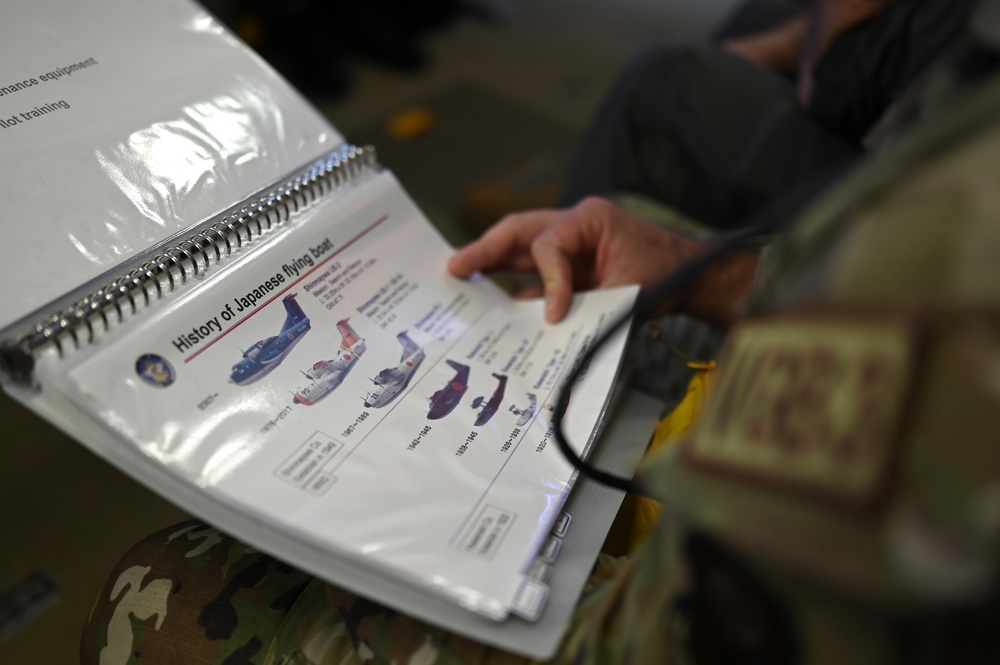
(506, 245)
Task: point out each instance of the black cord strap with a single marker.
(684, 277)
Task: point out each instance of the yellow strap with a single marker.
(669, 431)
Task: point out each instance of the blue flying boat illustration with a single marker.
(393, 380)
(326, 376)
(445, 400)
(266, 354)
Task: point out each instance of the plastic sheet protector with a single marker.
(122, 124)
(342, 389)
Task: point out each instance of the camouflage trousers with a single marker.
(190, 594)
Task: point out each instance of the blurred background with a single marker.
(476, 105)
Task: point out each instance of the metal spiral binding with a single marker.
(80, 323)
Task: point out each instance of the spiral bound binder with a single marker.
(213, 242)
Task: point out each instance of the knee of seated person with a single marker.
(652, 83)
(188, 590)
(656, 64)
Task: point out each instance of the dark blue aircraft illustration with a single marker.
(488, 408)
(325, 376)
(393, 380)
(445, 400)
(268, 353)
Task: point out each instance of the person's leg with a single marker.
(191, 594)
(705, 132)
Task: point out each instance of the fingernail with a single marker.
(550, 311)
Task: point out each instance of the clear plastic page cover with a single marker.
(339, 385)
(123, 123)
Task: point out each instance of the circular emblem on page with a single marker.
(155, 370)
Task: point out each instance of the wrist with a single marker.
(721, 293)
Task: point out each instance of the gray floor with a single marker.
(536, 79)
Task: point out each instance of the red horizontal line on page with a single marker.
(371, 227)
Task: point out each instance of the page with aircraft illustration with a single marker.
(338, 385)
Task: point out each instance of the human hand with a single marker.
(595, 244)
(778, 48)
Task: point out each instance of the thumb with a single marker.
(557, 276)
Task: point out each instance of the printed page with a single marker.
(122, 124)
(338, 384)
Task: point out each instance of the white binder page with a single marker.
(342, 388)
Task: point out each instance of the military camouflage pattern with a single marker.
(190, 594)
(227, 592)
